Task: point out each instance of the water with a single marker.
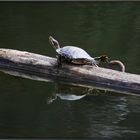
(36, 109)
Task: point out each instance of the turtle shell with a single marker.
(72, 52)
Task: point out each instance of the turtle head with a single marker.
(54, 42)
(102, 58)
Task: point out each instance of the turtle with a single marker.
(75, 55)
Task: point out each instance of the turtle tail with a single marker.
(54, 43)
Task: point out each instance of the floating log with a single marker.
(83, 75)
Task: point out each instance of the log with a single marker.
(84, 75)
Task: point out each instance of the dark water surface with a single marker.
(31, 108)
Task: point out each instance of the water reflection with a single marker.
(70, 92)
(97, 114)
(63, 91)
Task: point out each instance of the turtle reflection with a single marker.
(71, 93)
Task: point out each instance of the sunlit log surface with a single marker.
(46, 67)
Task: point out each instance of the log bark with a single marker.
(46, 67)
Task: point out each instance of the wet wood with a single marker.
(46, 67)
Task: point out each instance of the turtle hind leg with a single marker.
(59, 61)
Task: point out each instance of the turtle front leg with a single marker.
(59, 61)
